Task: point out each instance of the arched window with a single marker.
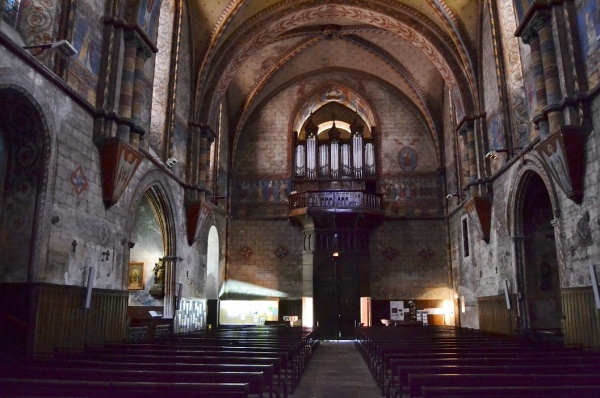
(212, 264)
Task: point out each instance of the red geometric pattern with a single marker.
(78, 180)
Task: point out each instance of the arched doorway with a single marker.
(153, 240)
(541, 308)
(23, 151)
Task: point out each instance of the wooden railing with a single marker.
(334, 200)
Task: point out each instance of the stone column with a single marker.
(538, 34)
(467, 131)
(130, 100)
(555, 116)
(206, 138)
(539, 83)
(169, 286)
(127, 83)
(142, 55)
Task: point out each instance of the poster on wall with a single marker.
(397, 310)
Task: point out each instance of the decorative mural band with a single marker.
(415, 196)
(261, 197)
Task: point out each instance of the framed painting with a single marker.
(135, 276)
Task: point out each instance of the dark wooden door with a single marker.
(337, 301)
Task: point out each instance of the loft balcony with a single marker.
(339, 201)
(347, 206)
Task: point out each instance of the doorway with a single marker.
(539, 276)
(337, 298)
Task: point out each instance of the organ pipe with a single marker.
(333, 158)
(311, 157)
(300, 161)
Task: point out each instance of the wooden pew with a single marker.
(279, 367)
(28, 387)
(384, 371)
(254, 380)
(418, 381)
(256, 376)
(511, 392)
(399, 384)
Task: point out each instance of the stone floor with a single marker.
(337, 370)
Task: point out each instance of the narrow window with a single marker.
(465, 237)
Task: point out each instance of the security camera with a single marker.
(171, 162)
(64, 47)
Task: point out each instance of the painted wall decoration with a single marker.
(496, 133)
(148, 16)
(408, 159)
(521, 7)
(459, 109)
(37, 21)
(281, 252)
(530, 94)
(263, 191)
(86, 38)
(246, 252)
(261, 198)
(84, 68)
(415, 196)
(588, 18)
(205, 211)
(78, 180)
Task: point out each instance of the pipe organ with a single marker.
(329, 156)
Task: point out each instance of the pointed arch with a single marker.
(26, 176)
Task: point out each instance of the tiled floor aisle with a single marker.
(337, 370)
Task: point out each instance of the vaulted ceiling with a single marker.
(247, 50)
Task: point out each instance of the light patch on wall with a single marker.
(235, 288)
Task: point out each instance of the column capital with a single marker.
(538, 17)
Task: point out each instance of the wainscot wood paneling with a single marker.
(495, 317)
(60, 320)
(581, 319)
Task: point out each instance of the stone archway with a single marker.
(537, 255)
(153, 236)
(24, 157)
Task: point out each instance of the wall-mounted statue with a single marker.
(158, 288)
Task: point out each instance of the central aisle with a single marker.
(337, 370)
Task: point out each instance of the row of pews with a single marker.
(262, 361)
(435, 362)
